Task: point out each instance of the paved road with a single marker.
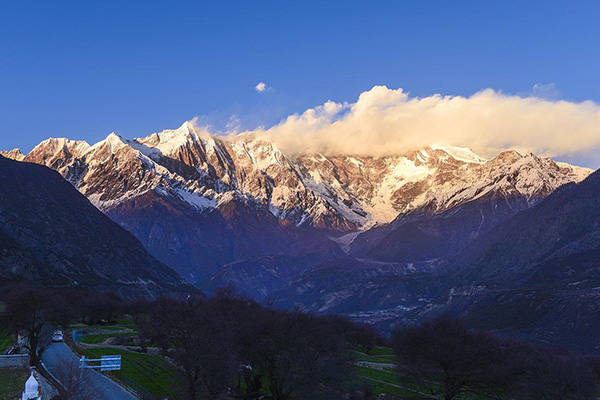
(105, 389)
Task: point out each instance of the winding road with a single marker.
(59, 354)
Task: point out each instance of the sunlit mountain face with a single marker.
(211, 207)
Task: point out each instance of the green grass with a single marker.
(382, 359)
(388, 381)
(128, 323)
(382, 355)
(6, 341)
(101, 327)
(386, 375)
(381, 351)
(101, 337)
(12, 382)
(384, 382)
(142, 372)
(383, 388)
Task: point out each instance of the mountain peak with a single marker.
(113, 136)
(60, 142)
(14, 154)
(115, 141)
(169, 140)
(58, 148)
(186, 128)
(112, 143)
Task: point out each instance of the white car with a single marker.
(57, 336)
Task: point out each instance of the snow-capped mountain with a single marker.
(199, 202)
(395, 235)
(436, 179)
(343, 193)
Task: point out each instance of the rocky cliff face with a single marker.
(199, 202)
(340, 193)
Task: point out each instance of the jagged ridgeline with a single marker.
(199, 203)
(380, 237)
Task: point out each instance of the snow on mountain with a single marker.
(344, 193)
(436, 179)
(55, 152)
(14, 154)
(460, 153)
(198, 201)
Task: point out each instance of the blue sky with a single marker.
(83, 69)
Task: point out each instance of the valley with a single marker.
(329, 200)
(383, 240)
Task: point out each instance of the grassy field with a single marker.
(377, 355)
(383, 380)
(119, 327)
(105, 327)
(386, 380)
(126, 322)
(142, 372)
(12, 381)
(101, 337)
(381, 351)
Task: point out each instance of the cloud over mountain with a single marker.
(387, 121)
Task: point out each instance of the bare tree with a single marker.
(34, 310)
(228, 336)
(299, 355)
(99, 308)
(194, 336)
(445, 352)
(75, 383)
(550, 375)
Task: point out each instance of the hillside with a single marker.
(52, 234)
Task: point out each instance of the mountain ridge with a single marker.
(200, 203)
(342, 193)
(52, 234)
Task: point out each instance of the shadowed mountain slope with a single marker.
(52, 234)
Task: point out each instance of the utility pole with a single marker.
(81, 367)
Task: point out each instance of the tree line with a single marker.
(448, 358)
(229, 347)
(226, 346)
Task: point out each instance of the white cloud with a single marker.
(389, 121)
(261, 87)
(234, 124)
(545, 91)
